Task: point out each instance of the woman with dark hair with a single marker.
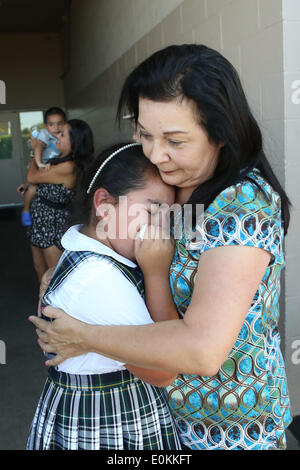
(50, 208)
(195, 125)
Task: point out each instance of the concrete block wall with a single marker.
(107, 40)
(103, 31)
(261, 39)
(28, 85)
(237, 28)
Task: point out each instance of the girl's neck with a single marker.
(90, 231)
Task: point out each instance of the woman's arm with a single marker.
(227, 280)
(56, 174)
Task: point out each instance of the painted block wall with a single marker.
(31, 67)
(102, 31)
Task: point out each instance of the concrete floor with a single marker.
(23, 375)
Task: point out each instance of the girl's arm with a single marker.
(45, 281)
(227, 280)
(57, 174)
(154, 255)
(154, 377)
(159, 298)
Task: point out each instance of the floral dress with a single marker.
(246, 404)
(50, 212)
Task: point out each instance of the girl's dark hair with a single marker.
(52, 111)
(204, 76)
(125, 172)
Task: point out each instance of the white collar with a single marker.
(73, 240)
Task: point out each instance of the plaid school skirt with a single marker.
(113, 411)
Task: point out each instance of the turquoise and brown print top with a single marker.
(246, 405)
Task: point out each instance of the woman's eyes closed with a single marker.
(143, 135)
(174, 143)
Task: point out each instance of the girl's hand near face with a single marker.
(154, 251)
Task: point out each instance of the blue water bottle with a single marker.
(35, 131)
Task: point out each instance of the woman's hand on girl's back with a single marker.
(62, 336)
(154, 251)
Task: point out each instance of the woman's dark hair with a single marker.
(52, 111)
(82, 144)
(204, 76)
(125, 172)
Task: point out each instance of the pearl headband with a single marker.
(106, 161)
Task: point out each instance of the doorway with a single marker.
(11, 157)
(14, 152)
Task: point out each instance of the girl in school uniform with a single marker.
(90, 401)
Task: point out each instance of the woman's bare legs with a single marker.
(39, 261)
(44, 258)
(51, 256)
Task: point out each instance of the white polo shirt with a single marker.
(96, 292)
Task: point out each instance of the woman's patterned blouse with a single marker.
(245, 405)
